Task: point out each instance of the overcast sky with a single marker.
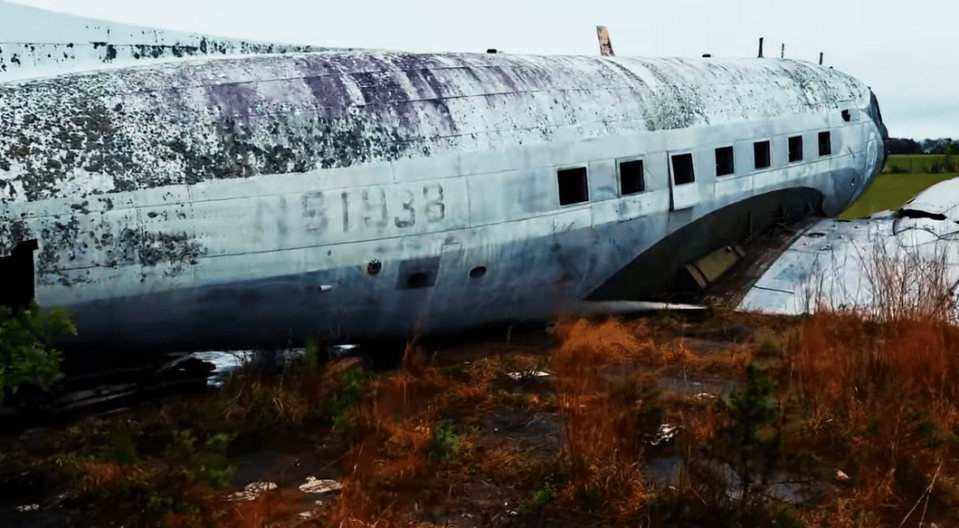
(907, 52)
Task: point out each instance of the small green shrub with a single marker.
(750, 438)
(339, 408)
(24, 355)
(538, 499)
(445, 445)
(207, 464)
(122, 450)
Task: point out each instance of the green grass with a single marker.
(889, 191)
(913, 163)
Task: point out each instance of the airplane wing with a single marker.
(912, 253)
(39, 43)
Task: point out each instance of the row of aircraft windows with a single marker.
(574, 186)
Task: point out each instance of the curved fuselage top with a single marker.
(82, 135)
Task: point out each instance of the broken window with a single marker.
(761, 154)
(724, 161)
(825, 144)
(631, 177)
(573, 186)
(845, 115)
(795, 148)
(683, 169)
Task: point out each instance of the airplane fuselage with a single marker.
(255, 201)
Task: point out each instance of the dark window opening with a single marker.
(418, 280)
(683, 169)
(724, 161)
(761, 154)
(573, 186)
(631, 177)
(17, 273)
(477, 272)
(845, 115)
(795, 148)
(825, 144)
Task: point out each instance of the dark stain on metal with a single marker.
(177, 249)
(81, 207)
(12, 232)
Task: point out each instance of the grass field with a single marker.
(916, 163)
(890, 190)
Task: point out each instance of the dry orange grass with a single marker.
(843, 362)
(397, 426)
(100, 475)
(892, 389)
(603, 438)
(587, 346)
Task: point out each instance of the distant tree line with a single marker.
(926, 146)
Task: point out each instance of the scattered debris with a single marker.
(28, 508)
(252, 491)
(313, 485)
(529, 374)
(666, 432)
(840, 476)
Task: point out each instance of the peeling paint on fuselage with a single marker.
(196, 185)
(236, 118)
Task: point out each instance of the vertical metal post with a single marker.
(605, 45)
(760, 48)
(820, 58)
(782, 53)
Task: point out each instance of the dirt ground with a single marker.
(585, 423)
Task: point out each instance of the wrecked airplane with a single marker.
(181, 195)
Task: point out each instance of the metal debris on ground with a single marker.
(666, 432)
(528, 374)
(314, 485)
(252, 491)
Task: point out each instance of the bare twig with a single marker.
(926, 494)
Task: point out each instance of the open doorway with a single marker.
(16, 274)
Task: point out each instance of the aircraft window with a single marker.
(573, 186)
(724, 161)
(825, 145)
(761, 154)
(795, 148)
(683, 169)
(477, 272)
(631, 177)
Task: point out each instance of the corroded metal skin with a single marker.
(251, 201)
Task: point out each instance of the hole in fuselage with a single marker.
(418, 280)
(477, 272)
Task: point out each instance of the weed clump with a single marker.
(24, 354)
(605, 422)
